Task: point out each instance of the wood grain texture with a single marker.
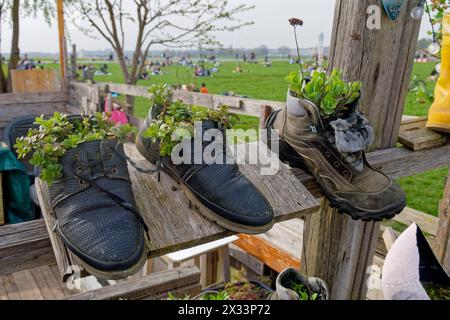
(172, 205)
(34, 98)
(442, 244)
(24, 81)
(61, 252)
(338, 249)
(172, 213)
(2, 207)
(24, 246)
(416, 136)
(236, 104)
(147, 287)
(265, 252)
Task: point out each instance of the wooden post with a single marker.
(338, 249)
(62, 42)
(443, 234)
(74, 63)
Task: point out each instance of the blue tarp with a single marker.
(16, 188)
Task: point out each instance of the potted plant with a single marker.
(238, 291)
(83, 162)
(292, 285)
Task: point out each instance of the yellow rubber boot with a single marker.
(439, 114)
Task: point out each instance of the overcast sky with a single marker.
(270, 28)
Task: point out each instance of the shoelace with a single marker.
(137, 167)
(117, 199)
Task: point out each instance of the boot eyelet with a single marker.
(79, 169)
(115, 170)
(346, 173)
(81, 182)
(336, 164)
(109, 156)
(328, 154)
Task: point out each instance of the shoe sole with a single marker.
(343, 206)
(108, 275)
(208, 214)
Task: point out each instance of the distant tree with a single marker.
(262, 50)
(284, 50)
(171, 23)
(424, 43)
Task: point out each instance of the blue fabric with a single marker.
(16, 188)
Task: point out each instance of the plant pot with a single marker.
(294, 105)
(289, 277)
(411, 267)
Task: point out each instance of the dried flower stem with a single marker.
(298, 53)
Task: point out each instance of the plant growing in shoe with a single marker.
(292, 285)
(83, 162)
(234, 202)
(322, 131)
(56, 135)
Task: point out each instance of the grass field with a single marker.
(258, 82)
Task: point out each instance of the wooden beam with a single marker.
(274, 258)
(9, 99)
(443, 234)
(239, 105)
(389, 238)
(338, 249)
(62, 41)
(147, 287)
(24, 246)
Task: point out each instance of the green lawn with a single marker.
(424, 191)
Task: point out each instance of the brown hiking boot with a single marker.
(345, 177)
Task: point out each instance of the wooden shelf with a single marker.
(173, 215)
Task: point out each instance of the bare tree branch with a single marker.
(172, 23)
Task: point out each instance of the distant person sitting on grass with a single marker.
(116, 112)
(204, 89)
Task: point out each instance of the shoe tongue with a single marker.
(351, 136)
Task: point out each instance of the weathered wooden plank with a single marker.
(27, 286)
(274, 258)
(247, 260)
(147, 287)
(239, 105)
(35, 81)
(179, 209)
(59, 249)
(47, 283)
(3, 293)
(416, 136)
(2, 208)
(170, 204)
(287, 236)
(84, 98)
(426, 222)
(389, 238)
(7, 113)
(11, 289)
(442, 244)
(24, 246)
(33, 98)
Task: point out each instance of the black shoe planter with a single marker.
(95, 210)
(235, 203)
